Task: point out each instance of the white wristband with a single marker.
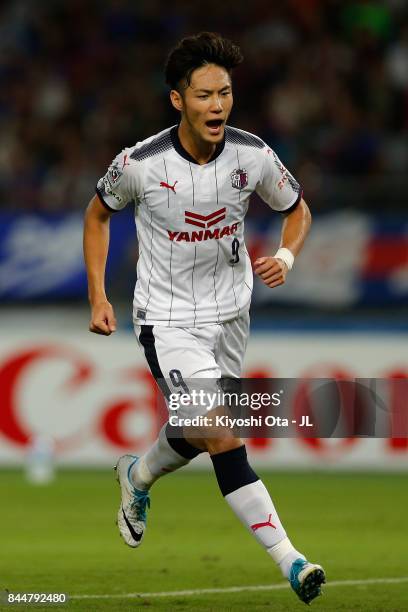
(286, 256)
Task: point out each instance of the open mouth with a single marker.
(214, 125)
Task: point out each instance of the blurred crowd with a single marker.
(324, 82)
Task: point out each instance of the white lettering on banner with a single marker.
(336, 254)
(40, 256)
(97, 398)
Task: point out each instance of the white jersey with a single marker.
(193, 267)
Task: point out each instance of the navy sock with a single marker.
(233, 470)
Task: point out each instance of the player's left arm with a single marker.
(296, 224)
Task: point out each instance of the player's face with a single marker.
(206, 103)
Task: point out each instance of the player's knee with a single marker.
(222, 443)
(174, 437)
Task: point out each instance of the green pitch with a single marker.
(62, 538)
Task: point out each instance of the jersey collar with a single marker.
(181, 150)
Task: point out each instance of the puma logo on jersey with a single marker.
(199, 235)
(172, 187)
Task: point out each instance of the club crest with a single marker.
(239, 178)
(114, 174)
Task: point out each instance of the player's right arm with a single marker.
(96, 246)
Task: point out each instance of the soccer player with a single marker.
(190, 185)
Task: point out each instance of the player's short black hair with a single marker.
(193, 52)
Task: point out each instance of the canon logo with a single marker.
(63, 391)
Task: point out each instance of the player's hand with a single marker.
(271, 270)
(103, 319)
